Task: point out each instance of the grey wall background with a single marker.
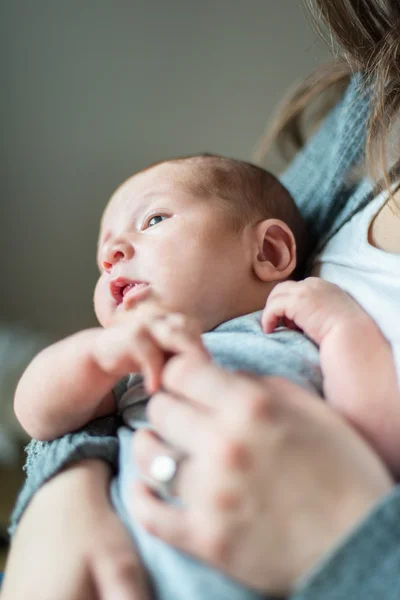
(94, 90)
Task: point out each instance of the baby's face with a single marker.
(158, 241)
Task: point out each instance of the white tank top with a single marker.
(369, 274)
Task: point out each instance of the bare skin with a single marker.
(71, 545)
(384, 229)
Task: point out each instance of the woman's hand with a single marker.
(70, 545)
(273, 479)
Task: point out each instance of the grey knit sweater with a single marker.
(366, 566)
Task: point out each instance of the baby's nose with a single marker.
(113, 253)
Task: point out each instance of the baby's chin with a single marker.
(106, 318)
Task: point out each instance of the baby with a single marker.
(195, 246)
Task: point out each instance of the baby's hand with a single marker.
(142, 341)
(314, 306)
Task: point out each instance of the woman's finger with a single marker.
(193, 483)
(232, 398)
(197, 533)
(173, 338)
(182, 424)
(166, 521)
(147, 447)
(194, 377)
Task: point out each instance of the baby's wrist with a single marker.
(103, 357)
(360, 326)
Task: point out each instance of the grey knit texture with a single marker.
(318, 177)
(366, 566)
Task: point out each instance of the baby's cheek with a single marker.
(102, 302)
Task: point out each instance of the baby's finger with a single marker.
(173, 336)
(270, 319)
(280, 306)
(275, 307)
(290, 324)
(274, 311)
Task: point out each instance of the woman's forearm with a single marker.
(365, 565)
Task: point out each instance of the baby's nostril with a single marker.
(114, 257)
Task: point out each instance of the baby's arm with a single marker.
(64, 387)
(356, 359)
(69, 383)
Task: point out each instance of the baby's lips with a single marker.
(120, 286)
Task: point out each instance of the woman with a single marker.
(290, 539)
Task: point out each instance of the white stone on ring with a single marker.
(163, 468)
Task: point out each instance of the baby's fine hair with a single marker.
(248, 192)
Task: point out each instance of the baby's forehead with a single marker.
(164, 176)
(160, 180)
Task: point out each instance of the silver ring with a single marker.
(163, 471)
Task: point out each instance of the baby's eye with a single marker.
(155, 220)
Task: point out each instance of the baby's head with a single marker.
(206, 235)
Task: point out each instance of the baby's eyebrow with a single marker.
(146, 200)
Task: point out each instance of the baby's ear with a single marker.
(274, 255)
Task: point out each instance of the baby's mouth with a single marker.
(121, 287)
